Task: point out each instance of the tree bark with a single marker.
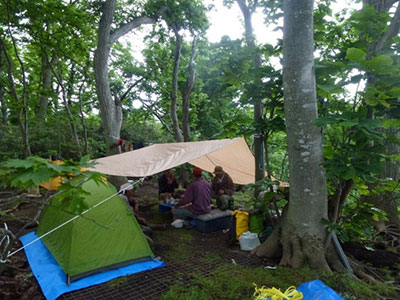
(22, 114)
(336, 202)
(190, 82)
(4, 114)
(67, 108)
(388, 202)
(303, 234)
(111, 110)
(258, 106)
(46, 78)
(174, 92)
(84, 128)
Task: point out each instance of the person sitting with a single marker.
(196, 200)
(222, 188)
(127, 193)
(166, 185)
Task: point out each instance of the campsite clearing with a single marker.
(198, 266)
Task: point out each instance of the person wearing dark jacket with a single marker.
(167, 185)
(222, 188)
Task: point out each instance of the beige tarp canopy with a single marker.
(232, 154)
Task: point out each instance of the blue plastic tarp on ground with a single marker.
(317, 290)
(52, 279)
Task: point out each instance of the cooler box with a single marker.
(214, 221)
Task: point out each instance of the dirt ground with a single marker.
(207, 251)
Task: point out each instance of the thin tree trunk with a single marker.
(258, 106)
(4, 115)
(67, 109)
(190, 82)
(174, 93)
(46, 77)
(84, 128)
(23, 111)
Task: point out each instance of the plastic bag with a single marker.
(317, 290)
(178, 223)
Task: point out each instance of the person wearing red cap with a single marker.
(196, 200)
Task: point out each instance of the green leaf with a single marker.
(19, 163)
(370, 123)
(349, 123)
(372, 101)
(328, 152)
(42, 175)
(391, 123)
(395, 91)
(323, 121)
(375, 217)
(356, 55)
(269, 195)
(380, 62)
(349, 173)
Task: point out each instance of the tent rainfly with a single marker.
(106, 237)
(233, 155)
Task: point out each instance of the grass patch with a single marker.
(116, 283)
(236, 282)
(176, 243)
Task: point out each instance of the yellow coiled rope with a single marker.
(275, 294)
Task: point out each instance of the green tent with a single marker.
(108, 236)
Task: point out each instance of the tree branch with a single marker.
(190, 82)
(392, 31)
(157, 115)
(130, 88)
(125, 28)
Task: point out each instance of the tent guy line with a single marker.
(70, 220)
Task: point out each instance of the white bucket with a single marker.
(248, 241)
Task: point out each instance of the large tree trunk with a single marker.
(258, 106)
(110, 110)
(303, 235)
